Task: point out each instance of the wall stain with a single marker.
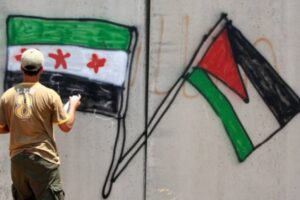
(270, 45)
(157, 68)
(167, 193)
(136, 65)
(186, 22)
(157, 91)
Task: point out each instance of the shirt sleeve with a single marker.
(59, 115)
(2, 114)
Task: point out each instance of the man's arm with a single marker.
(3, 126)
(74, 104)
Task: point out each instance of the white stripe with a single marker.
(113, 72)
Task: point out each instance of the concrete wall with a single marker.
(189, 155)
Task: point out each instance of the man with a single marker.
(28, 111)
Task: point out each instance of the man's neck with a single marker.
(30, 79)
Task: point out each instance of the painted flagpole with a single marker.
(161, 109)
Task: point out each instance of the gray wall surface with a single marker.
(189, 155)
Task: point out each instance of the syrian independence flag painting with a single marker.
(82, 56)
(249, 84)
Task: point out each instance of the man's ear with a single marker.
(41, 70)
(22, 70)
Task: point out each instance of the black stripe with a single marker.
(278, 96)
(97, 97)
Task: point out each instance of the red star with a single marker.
(18, 57)
(59, 58)
(96, 63)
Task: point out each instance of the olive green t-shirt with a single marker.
(30, 110)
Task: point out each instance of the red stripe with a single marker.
(219, 62)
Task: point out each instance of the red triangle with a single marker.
(219, 61)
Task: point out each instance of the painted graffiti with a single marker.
(228, 50)
(87, 56)
(99, 67)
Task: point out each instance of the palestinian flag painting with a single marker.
(82, 56)
(220, 74)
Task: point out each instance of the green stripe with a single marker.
(235, 130)
(86, 33)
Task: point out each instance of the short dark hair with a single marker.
(29, 70)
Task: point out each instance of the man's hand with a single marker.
(4, 129)
(75, 101)
(74, 104)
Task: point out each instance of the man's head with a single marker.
(32, 62)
